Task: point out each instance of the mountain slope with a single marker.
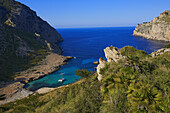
(23, 37)
(157, 29)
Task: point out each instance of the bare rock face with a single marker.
(112, 54)
(101, 65)
(160, 52)
(157, 29)
(13, 92)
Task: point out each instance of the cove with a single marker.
(86, 45)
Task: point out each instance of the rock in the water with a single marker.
(157, 29)
(96, 62)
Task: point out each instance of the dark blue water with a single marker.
(87, 44)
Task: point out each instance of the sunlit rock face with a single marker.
(101, 65)
(112, 54)
(156, 29)
(160, 52)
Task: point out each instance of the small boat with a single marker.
(61, 80)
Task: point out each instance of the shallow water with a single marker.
(87, 44)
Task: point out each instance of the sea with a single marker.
(86, 45)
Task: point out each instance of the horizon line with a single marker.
(89, 27)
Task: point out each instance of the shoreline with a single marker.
(148, 37)
(45, 90)
(15, 90)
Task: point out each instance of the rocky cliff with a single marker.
(22, 18)
(24, 38)
(113, 55)
(157, 29)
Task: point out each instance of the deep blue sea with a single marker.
(86, 45)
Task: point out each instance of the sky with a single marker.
(97, 13)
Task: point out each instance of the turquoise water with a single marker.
(87, 44)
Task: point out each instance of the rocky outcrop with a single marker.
(50, 64)
(112, 54)
(101, 65)
(157, 29)
(13, 92)
(160, 52)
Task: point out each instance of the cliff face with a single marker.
(22, 18)
(23, 37)
(112, 54)
(157, 29)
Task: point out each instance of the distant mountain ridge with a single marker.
(157, 29)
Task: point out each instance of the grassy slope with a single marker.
(81, 97)
(137, 84)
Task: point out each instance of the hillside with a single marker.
(156, 29)
(134, 82)
(25, 39)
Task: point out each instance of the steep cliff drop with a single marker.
(157, 29)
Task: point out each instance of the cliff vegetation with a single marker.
(156, 29)
(136, 83)
(25, 39)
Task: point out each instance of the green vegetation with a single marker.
(19, 50)
(84, 73)
(142, 83)
(137, 84)
(83, 96)
(166, 18)
(167, 46)
(10, 61)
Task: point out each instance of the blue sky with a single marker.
(97, 13)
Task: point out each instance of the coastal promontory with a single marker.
(28, 49)
(156, 29)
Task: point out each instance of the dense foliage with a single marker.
(167, 46)
(139, 83)
(83, 96)
(83, 73)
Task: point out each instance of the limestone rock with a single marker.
(112, 54)
(157, 29)
(160, 52)
(96, 62)
(101, 65)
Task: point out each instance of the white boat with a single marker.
(61, 80)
